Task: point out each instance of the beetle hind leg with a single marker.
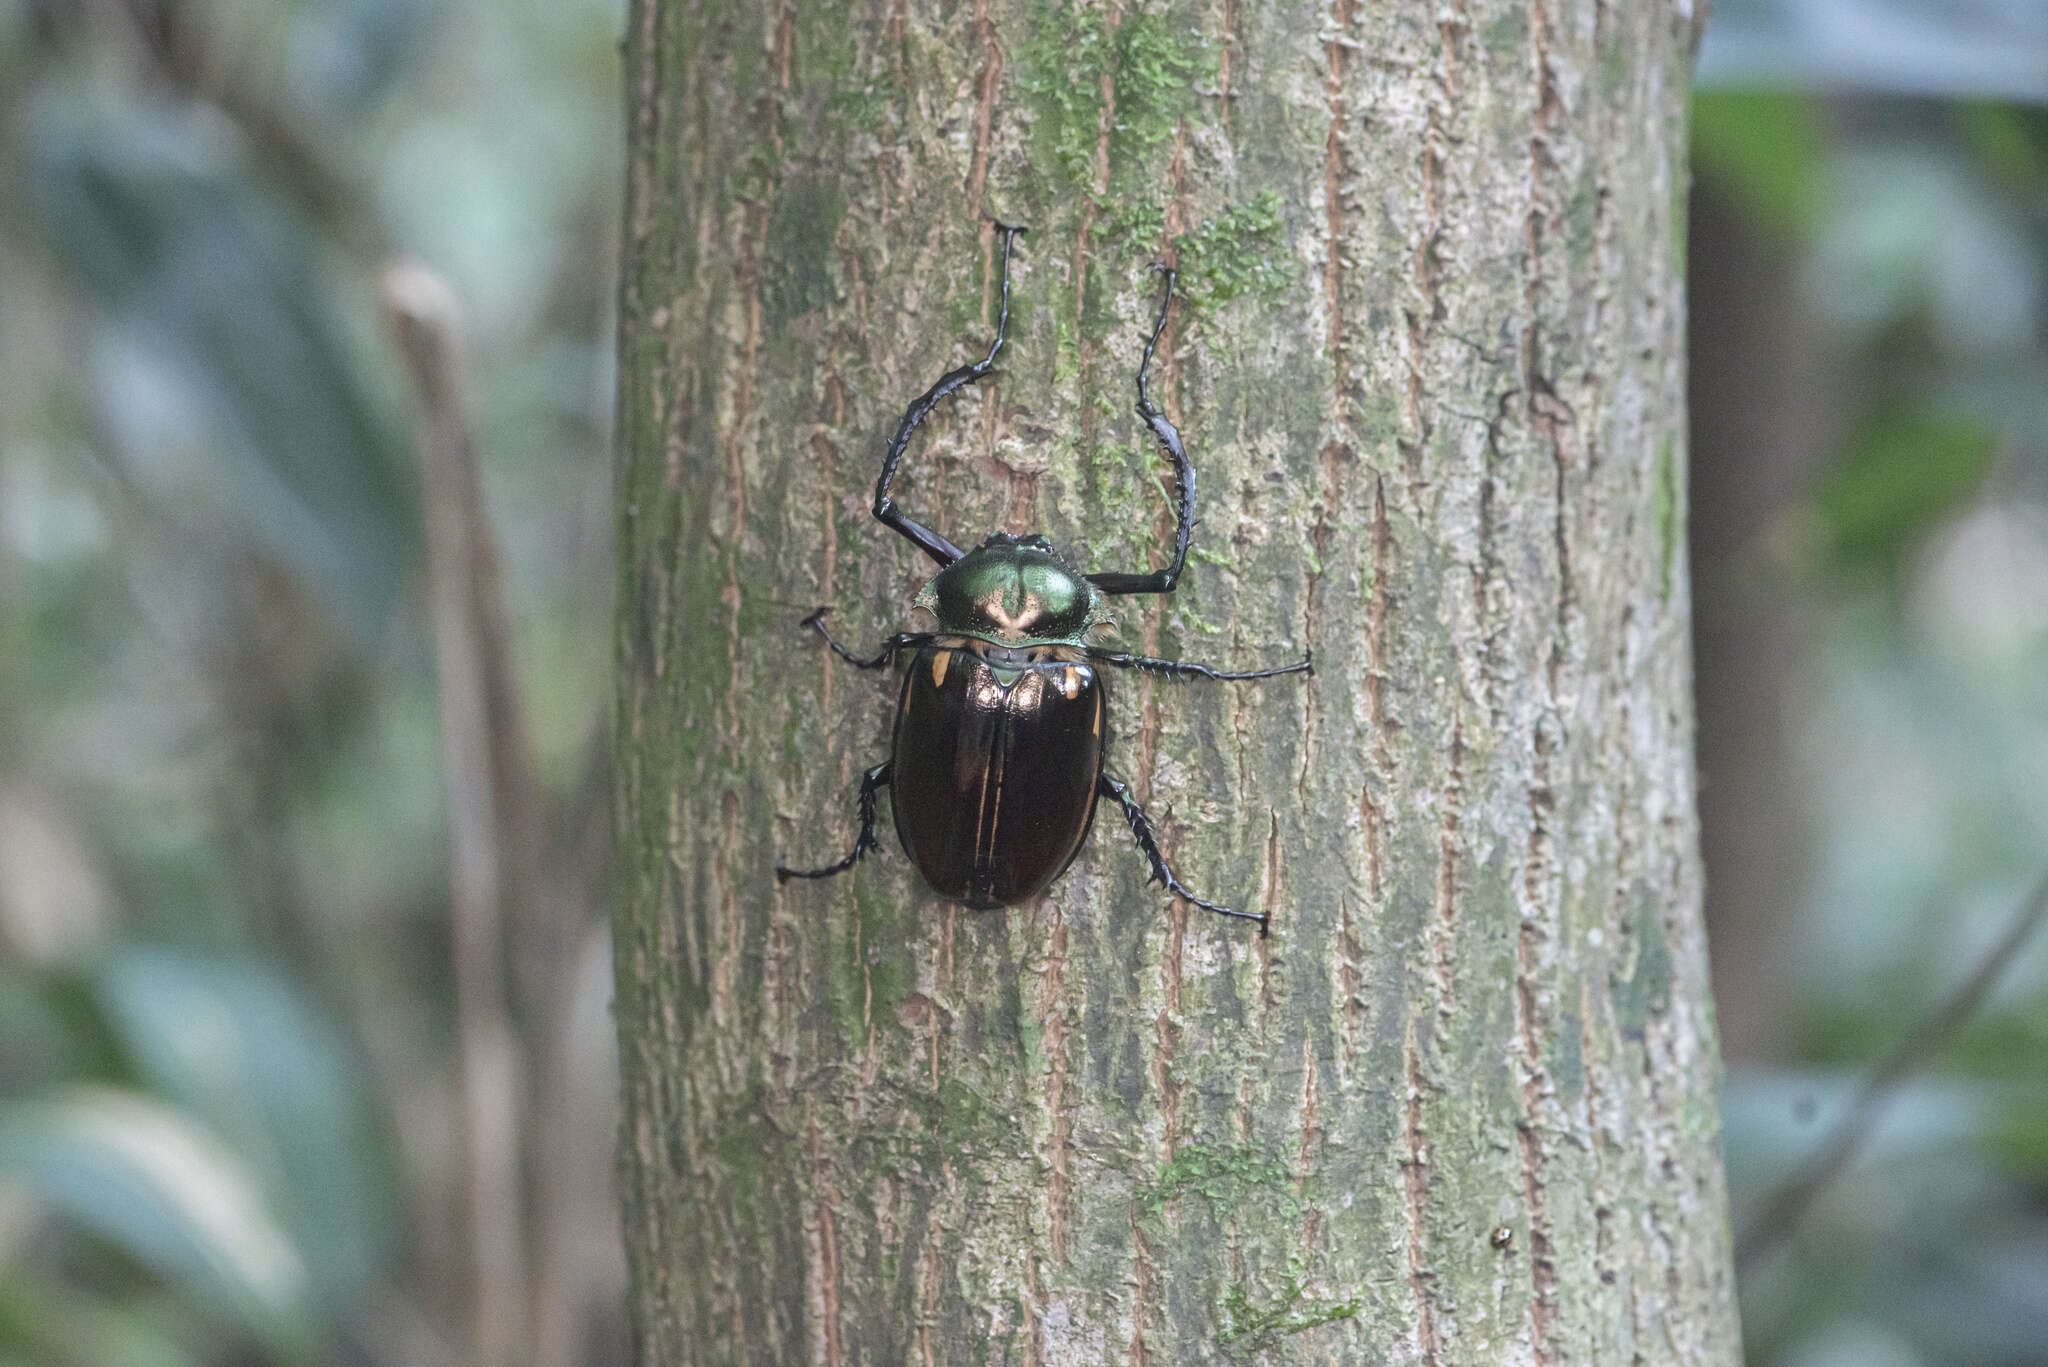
(1162, 873)
(864, 844)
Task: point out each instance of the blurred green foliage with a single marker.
(1917, 235)
(228, 1063)
(1768, 148)
(1900, 473)
(241, 409)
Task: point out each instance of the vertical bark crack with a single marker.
(1415, 1187)
(1336, 450)
(724, 1009)
(1141, 1292)
(984, 115)
(928, 1317)
(1052, 1014)
(1446, 921)
(1351, 984)
(1306, 1150)
(1166, 1026)
(1374, 819)
(824, 1303)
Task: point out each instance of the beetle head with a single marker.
(1015, 590)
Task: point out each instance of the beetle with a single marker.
(995, 766)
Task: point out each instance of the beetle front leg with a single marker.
(901, 641)
(1168, 437)
(864, 844)
(1148, 843)
(1181, 670)
(885, 509)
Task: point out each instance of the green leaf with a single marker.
(2009, 142)
(147, 1180)
(1902, 472)
(45, 1323)
(1765, 148)
(225, 382)
(233, 1042)
(41, 1041)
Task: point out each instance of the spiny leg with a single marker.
(863, 844)
(1160, 581)
(886, 511)
(1182, 670)
(1148, 843)
(903, 640)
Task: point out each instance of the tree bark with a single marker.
(1461, 1106)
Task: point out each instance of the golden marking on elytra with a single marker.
(1098, 716)
(940, 659)
(1070, 683)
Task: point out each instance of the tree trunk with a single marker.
(1460, 1107)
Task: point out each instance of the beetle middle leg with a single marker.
(1160, 581)
(1181, 670)
(902, 640)
(886, 511)
(864, 844)
(1148, 843)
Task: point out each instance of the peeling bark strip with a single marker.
(1428, 359)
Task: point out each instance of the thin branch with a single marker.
(468, 653)
(1789, 1204)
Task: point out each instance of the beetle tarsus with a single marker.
(1162, 873)
(1182, 670)
(901, 641)
(1160, 581)
(864, 844)
(886, 511)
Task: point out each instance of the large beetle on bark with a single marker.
(996, 763)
